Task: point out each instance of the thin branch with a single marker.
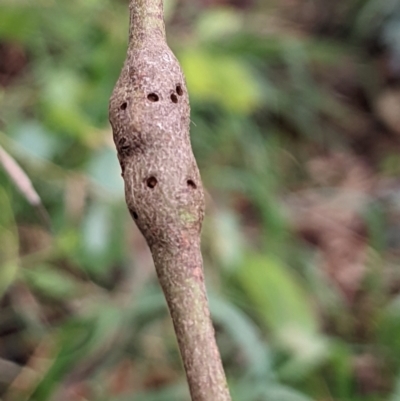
(24, 184)
(150, 116)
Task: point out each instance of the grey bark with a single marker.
(150, 116)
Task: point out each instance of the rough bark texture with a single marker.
(150, 116)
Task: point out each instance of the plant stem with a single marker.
(181, 276)
(146, 19)
(150, 116)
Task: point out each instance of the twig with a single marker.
(24, 185)
(150, 116)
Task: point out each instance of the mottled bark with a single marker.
(150, 116)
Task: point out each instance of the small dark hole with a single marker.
(153, 97)
(174, 98)
(123, 106)
(122, 142)
(151, 182)
(134, 214)
(123, 146)
(179, 90)
(191, 184)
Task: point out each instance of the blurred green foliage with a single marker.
(301, 240)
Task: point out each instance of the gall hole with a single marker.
(151, 182)
(122, 142)
(174, 98)
(179, 90)
(134, 215)
(123, 106)
(153, 97)
(191, 184)
(123, 146)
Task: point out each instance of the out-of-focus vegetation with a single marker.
(296, 128)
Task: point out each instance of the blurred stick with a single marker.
(25, 382)
(23, 184)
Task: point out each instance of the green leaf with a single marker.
(96, 229)
(8, 244)
(266, 391)
(218, 22)
(388, 328)
(61, 95)
(17, 23)
(222, 79)
(80, 340)
(283, 393)
(8, 271)
(396, 392)
(101, 243)
(282, 305)
(226, 239)
(32, 136)
(51, 282)
(245, 334)
(105, 170)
